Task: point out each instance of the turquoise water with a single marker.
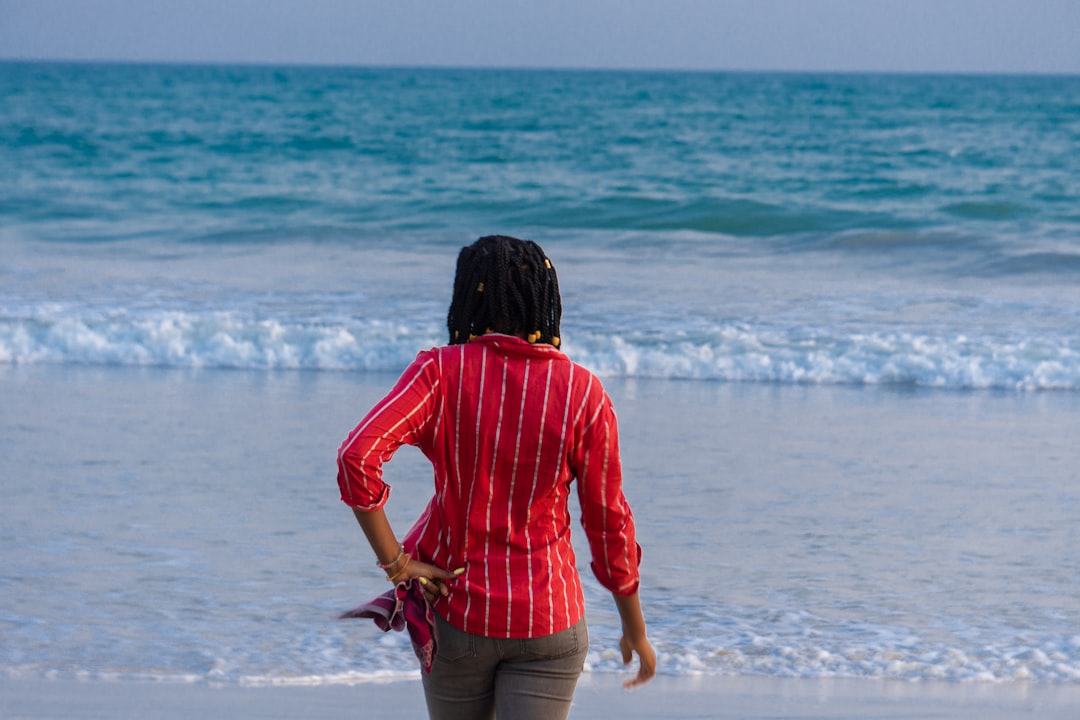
(225, 153)
(838, 315)
(915, 230)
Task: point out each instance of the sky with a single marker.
(980, 36)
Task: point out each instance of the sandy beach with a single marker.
(598, 696)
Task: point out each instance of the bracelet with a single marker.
(395, 561)
(401, 570)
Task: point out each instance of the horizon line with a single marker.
(304, 64)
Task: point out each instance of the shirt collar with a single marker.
(512, 344)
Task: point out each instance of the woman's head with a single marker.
(505, 285)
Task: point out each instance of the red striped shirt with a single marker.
(508, 426)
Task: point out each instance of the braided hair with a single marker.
(505, 285)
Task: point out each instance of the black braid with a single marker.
(508, 286)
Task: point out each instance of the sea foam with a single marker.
(734, 352)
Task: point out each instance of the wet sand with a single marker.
(599, 696)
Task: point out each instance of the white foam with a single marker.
(735, 352)
(822, 356)
(213, 339)
(797, 644)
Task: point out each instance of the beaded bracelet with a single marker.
(395, 561)
(401, 571)
(387, 566)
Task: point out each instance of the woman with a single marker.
(508, 423)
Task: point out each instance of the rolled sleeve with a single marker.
(605, 513)
(399, 418)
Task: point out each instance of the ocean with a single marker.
(838, 315)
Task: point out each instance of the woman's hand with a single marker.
(433, 579)
(634, 639)
(645, 652)
(385, 544)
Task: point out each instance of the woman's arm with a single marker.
(634, 638)
(377, 529)
(387, 549)
(609, 526)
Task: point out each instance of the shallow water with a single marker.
(183, 524)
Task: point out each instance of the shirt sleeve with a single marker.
(398, 419)
(605, 514)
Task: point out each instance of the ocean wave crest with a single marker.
(735, 352)
(744, 353)
(197, 340)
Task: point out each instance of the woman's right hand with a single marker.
(433, 579)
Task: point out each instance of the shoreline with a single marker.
(599, 695)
